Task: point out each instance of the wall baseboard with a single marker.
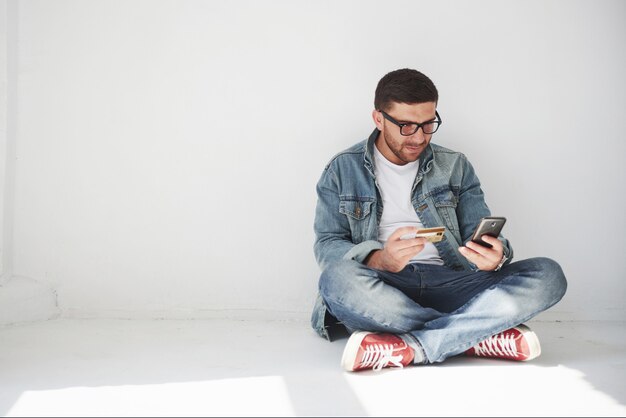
(188, 314)
(577, 316)
(23, 299)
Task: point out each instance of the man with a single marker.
(407, 300)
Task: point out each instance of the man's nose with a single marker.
(419, 136)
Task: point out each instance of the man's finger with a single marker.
(411, 242)
(491, 240)
(471, 255)
(403, 231)
(417, 246)
(484, 251)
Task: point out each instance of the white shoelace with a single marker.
(497, 345)
(378, 356)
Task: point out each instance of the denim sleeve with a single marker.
(472, 207)
(333, 237)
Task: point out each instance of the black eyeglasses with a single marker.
(409, 128)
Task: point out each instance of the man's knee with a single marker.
(553, 280)
(357, 296)
(340, 277)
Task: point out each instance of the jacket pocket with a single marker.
(445, 202)
(358, 210)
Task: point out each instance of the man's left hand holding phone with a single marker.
(485, 259)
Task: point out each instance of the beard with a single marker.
(399, 149)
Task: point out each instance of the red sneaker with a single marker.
(368, 350)
(518, 343)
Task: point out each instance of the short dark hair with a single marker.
(404, 86)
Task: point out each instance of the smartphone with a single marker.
(491, 225)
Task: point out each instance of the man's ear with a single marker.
(378, 119)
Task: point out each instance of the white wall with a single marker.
(167, 151)
(3, 126)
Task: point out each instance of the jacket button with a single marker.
(357, 212)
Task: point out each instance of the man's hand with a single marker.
(397, 252)
(486, 259)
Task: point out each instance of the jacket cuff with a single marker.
(507, 252)
(360, 251)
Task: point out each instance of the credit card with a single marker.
(431, 234)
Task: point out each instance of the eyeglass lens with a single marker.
(411, 128)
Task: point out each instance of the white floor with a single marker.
(219, 367)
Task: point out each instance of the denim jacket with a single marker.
(446, 192)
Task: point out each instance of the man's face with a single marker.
(395, 147)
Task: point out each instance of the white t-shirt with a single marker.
(395, 183)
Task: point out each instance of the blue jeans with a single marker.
(444, 310)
